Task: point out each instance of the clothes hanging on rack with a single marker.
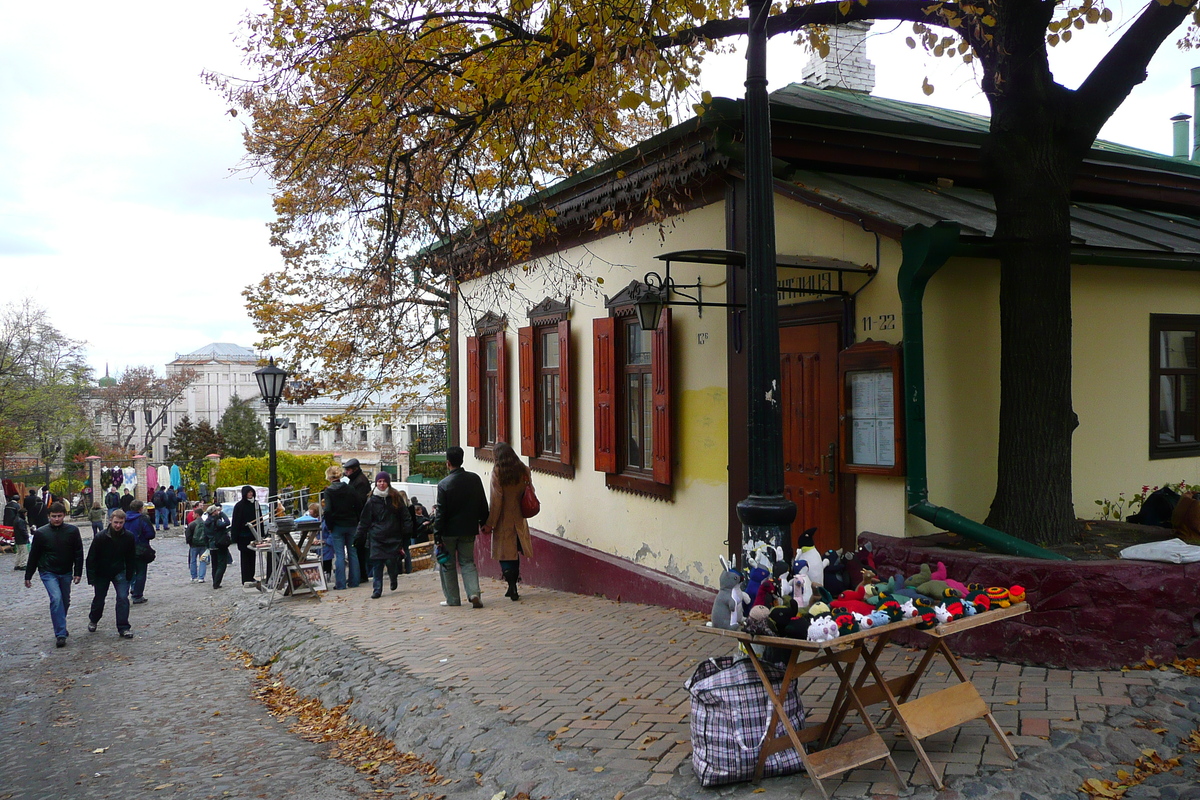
(164, 475)
(176, 477)
(131, 481)
(151, 481)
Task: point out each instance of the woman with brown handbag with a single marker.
(510, 531)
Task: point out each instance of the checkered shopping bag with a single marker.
(730, 710)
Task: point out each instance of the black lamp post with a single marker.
(270, 384)
(765, 514)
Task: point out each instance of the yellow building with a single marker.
(637, 439)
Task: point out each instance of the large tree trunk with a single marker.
(1030, 161)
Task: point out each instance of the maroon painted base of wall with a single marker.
(564, 565)
(1084, 614)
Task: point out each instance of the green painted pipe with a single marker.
(924, 251)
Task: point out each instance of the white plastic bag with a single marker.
(1172, 551)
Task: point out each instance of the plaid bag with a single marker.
(729, 717)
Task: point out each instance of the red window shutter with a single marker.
(474, 439)
(525, 374)
(501, 389)
(604, 367)
(660, 380)
(564, 391)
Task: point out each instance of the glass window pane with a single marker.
(1177, 349)
(489, 414)
(647, 422)
(1187, 408)
(490, 351)
(550, 350)
(1166, 408)
(633, 452)
(637, 344)
(549, 414)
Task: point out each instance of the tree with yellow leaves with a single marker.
(394, 125)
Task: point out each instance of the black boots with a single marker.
(512, 576)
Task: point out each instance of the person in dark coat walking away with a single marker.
(245, 511)
(510, 531)
(386, 526)
(343, 509)
(193, 534)
(14, 517)
(360, 487)
(218, 539)
(96, 517)
(35, 509)
(111, 560)
(160, 509)
(461, 508)
(142, 530)
(57, 556)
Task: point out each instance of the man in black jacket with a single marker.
(111, 560)
(462, 508)
(360, 488)
(112, 501)
(57, 555)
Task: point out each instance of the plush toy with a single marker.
(779, 617)
(874, 593)
(879, 617)
(835, 579)
(802, 590)
(892, 609)
(857, 563)
(852, 600)
(846, 624)
(980, 600)
(865, 621)
(938, 574)
(818, 608)
(942, 613)
(725, 609)
(956, 609)
(766, 594)
(962, 589)
(822, 629)
(908, 608)
(938, 590)
(797, 627)
(1016, 594)
(924, 575)
(757, 576)
(969, 609)
(758, 622)
(808, 551)
(999, 596)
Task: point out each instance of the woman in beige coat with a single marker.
(510, 531)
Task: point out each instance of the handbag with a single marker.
(144, 552)
(530, 505)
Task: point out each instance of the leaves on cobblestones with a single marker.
(356, 745)
(1151, 763)
(1188, 666)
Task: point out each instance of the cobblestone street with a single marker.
(171, 714)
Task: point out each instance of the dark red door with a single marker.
(808, 369)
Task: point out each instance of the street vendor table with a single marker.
(291, 549)
(941, 710)
(841, 654)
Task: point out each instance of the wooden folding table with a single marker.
(841, 654)
(936, 712)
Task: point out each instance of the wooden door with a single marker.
(808, 370)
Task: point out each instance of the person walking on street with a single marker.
(57, 556)
(245, 511)
(34, 509)
(462, 508)
(112, 501)
(509, 529)
(160, 509)
(360, 487)
(385, 525)
(342, 513)
(96, 517)
(172, 506)
(142, 530)
(216, 536)
(14, 517)
(193, 534)
(125, 504)
(111, 559)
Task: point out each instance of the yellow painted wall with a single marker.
(1111, 308)
(684, 537)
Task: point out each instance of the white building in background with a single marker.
(226, 370)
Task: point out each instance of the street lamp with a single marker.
(766, 515)
(270, 384)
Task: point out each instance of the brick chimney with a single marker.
(846, 66)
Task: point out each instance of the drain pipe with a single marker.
(925, 250)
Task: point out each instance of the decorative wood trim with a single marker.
(526, 392)
(490, 323)
(502, 426)
(566, 451)
(604, 377)
(474, 407)
(552, 467)
(550, 311)
(639, 486)
(660, 372)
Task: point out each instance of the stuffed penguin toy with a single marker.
(808, 552)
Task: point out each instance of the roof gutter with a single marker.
(924, 251)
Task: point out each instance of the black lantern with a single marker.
(649, 302)
(271, 380)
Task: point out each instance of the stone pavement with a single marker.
(597, 687)
(166, 714)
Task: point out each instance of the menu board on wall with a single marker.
(871, 417)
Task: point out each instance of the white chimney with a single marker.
(846, 66)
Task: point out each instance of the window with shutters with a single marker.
(1174, 374)
(487, 386)
(631, 379)
(544, 354)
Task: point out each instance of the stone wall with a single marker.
(1084, 614)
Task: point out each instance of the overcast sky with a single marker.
(118, 208)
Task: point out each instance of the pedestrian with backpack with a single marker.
(142, 529)
(216, 536)
(197, 543)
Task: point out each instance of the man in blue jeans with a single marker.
(343, 507)
(462, 508)
(57, 555)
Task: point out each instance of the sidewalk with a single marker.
(591, 675)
